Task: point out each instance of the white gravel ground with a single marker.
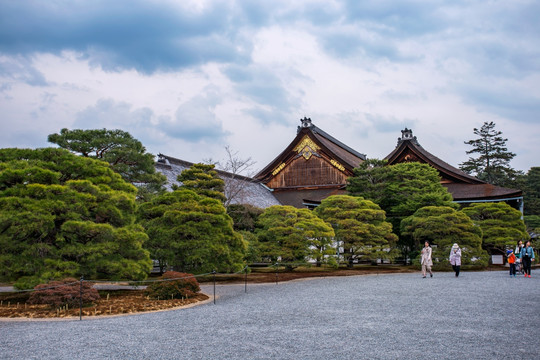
(480, 315)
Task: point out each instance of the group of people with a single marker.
(523, 255)
(522, 258)
(427, 262)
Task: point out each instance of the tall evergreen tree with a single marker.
(399, 189)
(531, 191)
(493, 161)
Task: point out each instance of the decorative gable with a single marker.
(313, 160)
(307, 147)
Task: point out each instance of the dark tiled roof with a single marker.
(352, 157)
(480, 192)
(252, 191)
(450, 171)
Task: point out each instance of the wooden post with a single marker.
(245, 286)
(214, 273)
(80, 299)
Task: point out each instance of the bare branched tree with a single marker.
(235, 165)
(237, 170)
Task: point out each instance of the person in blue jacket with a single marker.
(527, 257)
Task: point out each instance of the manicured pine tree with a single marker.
(501, 224)
(399, 190)
(293, 235)
(191, 233)
(443, 226)
(66, 215)
(360, 226)
(204, 180)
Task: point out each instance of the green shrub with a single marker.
(63, 292)
(174, 285)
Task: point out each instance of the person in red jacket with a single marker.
(512, 261)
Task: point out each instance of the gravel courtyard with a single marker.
(480, 315)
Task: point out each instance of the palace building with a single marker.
(316, 165)
(463, 187)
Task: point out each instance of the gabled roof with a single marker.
(334, 148)
(409, 149)
(346, 153)
(462, 186)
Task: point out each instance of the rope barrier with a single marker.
(80, 282)
(130, 281)
(47, 288)
(147, 281)
(213, 273)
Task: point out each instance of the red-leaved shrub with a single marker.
(180, 285)
(63, 292)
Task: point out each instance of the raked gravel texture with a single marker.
(480, 315)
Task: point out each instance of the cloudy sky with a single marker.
(188, 78)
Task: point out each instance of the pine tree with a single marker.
(531, 191)
(64, 215)
(502, 226)
(493, 161)
(204, 180)
(293, 235)
(399, 189)
(126, 155)
(191, 232)
(444, 226)
(360, 226)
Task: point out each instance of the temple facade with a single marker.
(315, 165)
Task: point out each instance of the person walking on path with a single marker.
(426, 261)
(517, 253)
(455, 258)
(511, 261)
(527, 257)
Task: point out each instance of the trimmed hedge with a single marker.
(184, 286)
(63, 292)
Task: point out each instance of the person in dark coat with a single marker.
(527, 257)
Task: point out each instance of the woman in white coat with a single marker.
(455, 258)
(426, 261)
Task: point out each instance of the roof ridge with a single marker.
(318, 130)
(219, 171)
(450, 166)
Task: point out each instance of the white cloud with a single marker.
(189, 79)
